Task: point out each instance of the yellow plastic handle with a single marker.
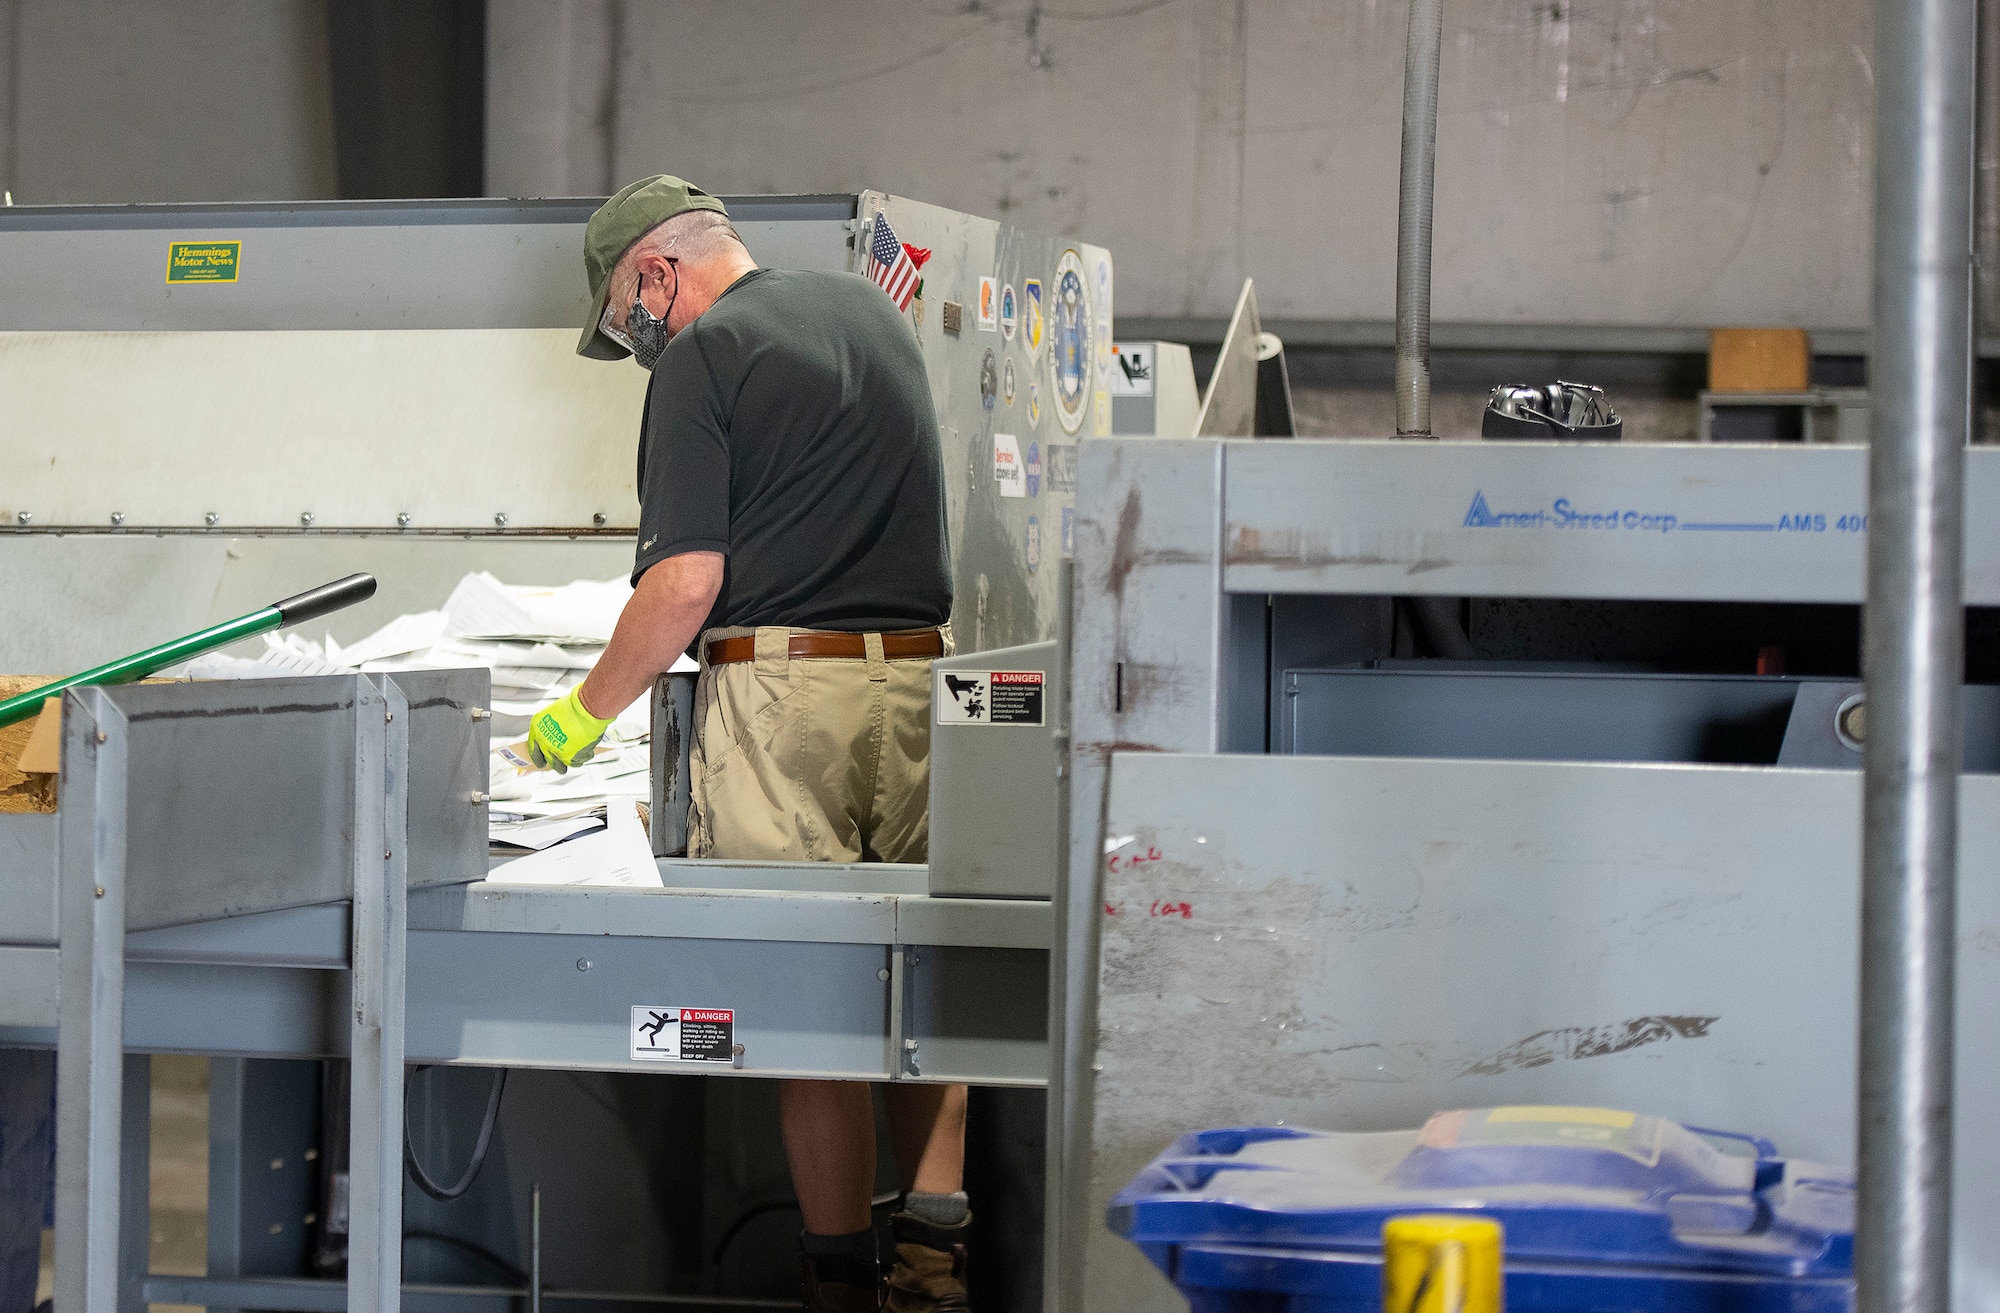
(1441, 1263)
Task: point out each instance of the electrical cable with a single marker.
(473, 1248)
(445, 1194)
(779, 1206)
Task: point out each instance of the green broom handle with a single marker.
(313, 602)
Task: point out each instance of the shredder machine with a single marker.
(251, 396)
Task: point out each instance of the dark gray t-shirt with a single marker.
(791, 428)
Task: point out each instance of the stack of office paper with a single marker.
(539, 642)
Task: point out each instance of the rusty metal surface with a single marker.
(1353, 944)
(1145, 676)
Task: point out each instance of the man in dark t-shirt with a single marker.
(791, 429)
(791, 518)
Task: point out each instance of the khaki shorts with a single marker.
(818, 759)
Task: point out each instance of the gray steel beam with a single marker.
(1145, 676)
(135, 1194)
(227, 1113)
(1920, 374)
(90, 1049)
(376, 1025)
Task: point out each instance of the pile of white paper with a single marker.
(539, 643)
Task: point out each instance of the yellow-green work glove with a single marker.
(564, 734)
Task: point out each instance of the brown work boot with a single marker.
(823, 1296)
(929, 1276)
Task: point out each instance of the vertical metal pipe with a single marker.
(535, 1248)
(1986, 183)
(1413, 218)
(1920, 378)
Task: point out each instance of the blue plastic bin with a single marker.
(1604, 1211)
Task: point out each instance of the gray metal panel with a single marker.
(1003, 549)
(311, 937)
(859, 918)
(1699, 522)
(993, 790)
(977, 1014)
(1812, 738)
(255, 1011)
(1369, 941)
(27, 987)
(1149, 539)
(1013, 923)
(121, 592)
(241, 797)
(251, 1011)
(819, 1011)
(264, 820)
(28, 878)
(709, 909)
(793, 877)
(349, 265)
(1536, 716)
(448, 773)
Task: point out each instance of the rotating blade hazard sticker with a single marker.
(989, 697)
(669, 1033)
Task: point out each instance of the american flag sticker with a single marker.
(889, 264)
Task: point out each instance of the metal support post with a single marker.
(1058, 1090)
(225, 1168)
(135, 1198)
(90, 1025)
(1920, 375)
(1413, 218)
(375, 1144)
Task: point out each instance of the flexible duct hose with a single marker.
(1413, 219)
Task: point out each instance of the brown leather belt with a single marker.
(909, 644)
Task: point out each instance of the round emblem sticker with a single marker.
(1008, 315)
(1034, 542)
(1007, 382)
(1034, 469)
(989, 380)
(1071, 343)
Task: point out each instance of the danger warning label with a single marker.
(989, 697)
(668, 1033)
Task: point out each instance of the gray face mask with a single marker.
(648, 335)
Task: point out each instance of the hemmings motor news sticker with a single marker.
(676, 1034)
(989, 697)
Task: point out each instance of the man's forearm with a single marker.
(661, 618)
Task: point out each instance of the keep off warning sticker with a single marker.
(989, 697)
(668, 1033)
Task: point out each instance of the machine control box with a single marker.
(993, 773)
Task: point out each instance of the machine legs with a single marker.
(90, 1031)
(103, 1096)
(375, 1043)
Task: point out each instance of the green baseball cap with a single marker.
(618, 223)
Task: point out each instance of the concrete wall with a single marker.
(139, 100)
(1600, 161)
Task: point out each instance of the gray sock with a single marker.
(940, 1209)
